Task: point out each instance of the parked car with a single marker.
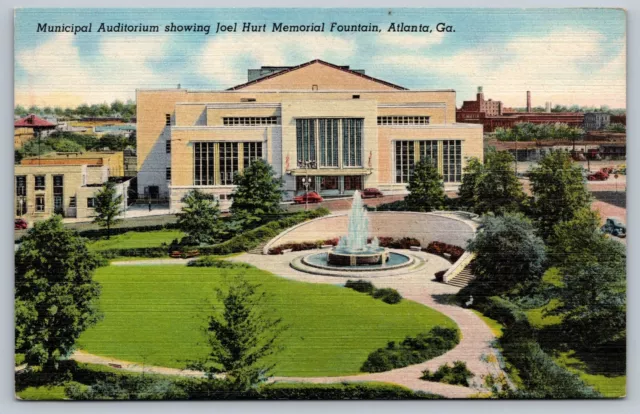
(20, 224)
(615, 227)
(310, 197)
(607, 170)
(598, 176)
(371, 193)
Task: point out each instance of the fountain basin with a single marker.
(368, 262)
(339, 258)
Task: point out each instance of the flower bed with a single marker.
(390, 242)
(448, 251)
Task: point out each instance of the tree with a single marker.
(616, 127)
(242, 334)
(559, 190)
(572, 241)
(113, 142)
(497, 188)
(65, 145)
(257, 195)
(470, 177)
(200, 218)
(55, 294)
(426, 188)
(509, 255)
(594, 299)
(108, 206)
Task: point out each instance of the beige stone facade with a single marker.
(353, 132)
(44, 190)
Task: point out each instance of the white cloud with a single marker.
(57, 75)
(565, 67)
(226, 58)
(409, 41)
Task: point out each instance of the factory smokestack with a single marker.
(528, 101)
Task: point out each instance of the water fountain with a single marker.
(354, 252)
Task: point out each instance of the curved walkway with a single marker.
(474, 348)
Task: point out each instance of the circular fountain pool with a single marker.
(394, 261)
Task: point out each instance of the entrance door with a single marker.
(154, 192)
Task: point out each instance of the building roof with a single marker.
(331, 65)
(32, 121)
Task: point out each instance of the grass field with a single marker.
(45, 392)
(133, 239)
(609, 386)
(495, 326)
(156, 315)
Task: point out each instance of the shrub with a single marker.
(423, 347)
(210, 261)
(440, 249)
(440, 275)
(361, 286)
(388, 295)
(344, 391)
(399, 205)
(456, 375)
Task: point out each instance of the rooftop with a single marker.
(32, 121)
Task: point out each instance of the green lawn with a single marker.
(611, 387)
(134, 239)
(155, 315)
(45, 392)
(537, 316)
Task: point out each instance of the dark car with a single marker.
(371, 193)
(310, 197)
(20, 224)
(615, 227)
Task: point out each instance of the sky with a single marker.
(566, 56)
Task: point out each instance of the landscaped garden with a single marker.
(157, 318)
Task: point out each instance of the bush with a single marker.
(388, 295)
(423, 347)
(344, 391)
(210, 261)
(456, 375)
(399, 205)
(361, 286)
(97, 233)
(440, 275)
(160, 251)
(252, 238)
(440, 249)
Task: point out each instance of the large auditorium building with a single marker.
(335, 126)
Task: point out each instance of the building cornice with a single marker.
(413, 105)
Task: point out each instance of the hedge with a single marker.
(458, 374)
(390, 242)
(387, 295)
(253, 238)
(423, 347)
(209, 261)
(109, 383)
(440, 249)
(97, 233)
(541, 376)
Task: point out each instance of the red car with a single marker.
(371, 193)
(310, 197)
(20, 224)
(598, 176)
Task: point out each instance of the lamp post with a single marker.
(306, 181)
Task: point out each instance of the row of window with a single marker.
(403, 120)
(226, 162)
(22, 209)
(350, 183)
(39, 184)
(408, 153)
(250, 120)
(321, 135)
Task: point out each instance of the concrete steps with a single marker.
(463, 278)
(258, 249)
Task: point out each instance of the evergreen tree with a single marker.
(257, 195)
(55, 294)
(559, 190)
(470, 177)
(108, 207)
(426, 188)
(242, 334)
(200, 218)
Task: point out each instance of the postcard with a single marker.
(286, 204)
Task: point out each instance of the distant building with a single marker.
(113, 160)
(30, 127)
(69, 190)
(492, 114)
(130, 163)
(596, 120)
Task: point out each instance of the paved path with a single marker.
(474, 348)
